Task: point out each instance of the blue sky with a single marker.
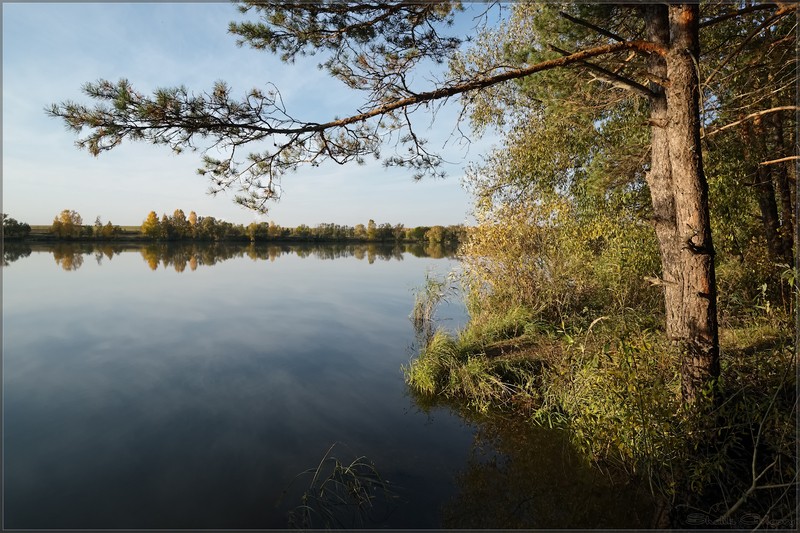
(50, 50)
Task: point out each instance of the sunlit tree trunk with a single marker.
(696, 331)
(679, 193)
(659, 176)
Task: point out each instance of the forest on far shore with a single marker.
(68, 225)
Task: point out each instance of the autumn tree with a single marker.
(151, 227)
(650, 50)
(67, 224)
(372, 230)
(435, 235)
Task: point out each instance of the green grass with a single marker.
(479, 365)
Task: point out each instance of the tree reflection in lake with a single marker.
(12, 251)
(68, 256)
(180, 256)
(522, 476)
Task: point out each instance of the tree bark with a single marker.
(696, 332)
(659, 176)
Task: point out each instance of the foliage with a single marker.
(151, 226)
(13, 229)
(68, 224)
(615, 386)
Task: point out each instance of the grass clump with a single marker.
(477, 365)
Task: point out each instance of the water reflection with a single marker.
(13, 251)
(521, 476)
(70, 256)
(140, 401)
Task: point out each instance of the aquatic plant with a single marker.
(342, 494)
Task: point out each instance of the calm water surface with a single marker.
(187, 387)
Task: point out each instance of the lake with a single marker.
(189, 387)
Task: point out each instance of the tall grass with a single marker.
(473, 366)
(342, 494)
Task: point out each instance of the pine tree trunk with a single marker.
(696, 332)
(659, 176)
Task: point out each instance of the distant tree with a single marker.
(207, 228)
(455, 234)
(435, 235)
(180, 225)
(385, 232)
(360, 231)
(67, 224)
(252, 231)
(416, 234)
(399, 232)
(109, 231)
(151, 227)
(275, 231)
(98, 226)
(372, 230)
(302, 232)
(13, 229)
(166, 227)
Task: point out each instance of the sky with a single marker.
(51, 49)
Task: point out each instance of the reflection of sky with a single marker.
(139, 398)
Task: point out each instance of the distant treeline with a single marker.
(68, 225)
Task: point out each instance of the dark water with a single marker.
(187, 387)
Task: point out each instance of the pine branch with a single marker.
(176, 118)
(612, 77)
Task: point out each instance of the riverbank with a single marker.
(614, 385)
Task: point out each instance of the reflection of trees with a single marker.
(69, 256)
(105, 250)
(436, 250)
(524, 477)
(13, 251)
(179, 256)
